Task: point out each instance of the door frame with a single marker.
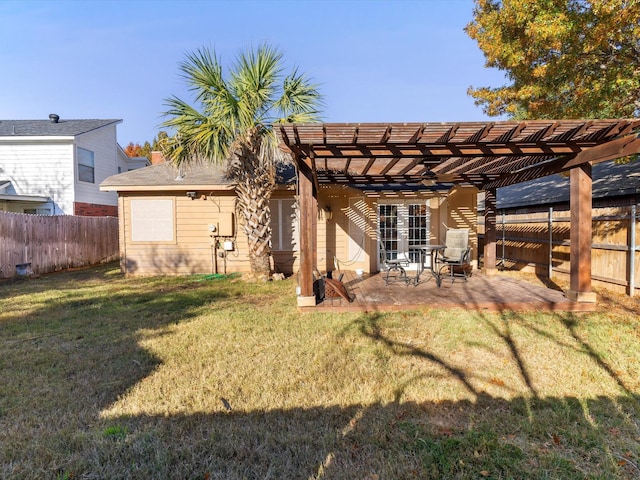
(405, 227)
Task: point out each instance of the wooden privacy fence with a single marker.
(52, 243)
(542, 240)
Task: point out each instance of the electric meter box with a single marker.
(224, 225)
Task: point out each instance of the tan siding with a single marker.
(195, 250)
(192, 251)
(463, 213)
(333, 234)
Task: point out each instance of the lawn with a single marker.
(198, 377)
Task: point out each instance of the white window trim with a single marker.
(78, 164)
(275, 204)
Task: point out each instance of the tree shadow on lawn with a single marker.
(566, 424)
(58, 370)
(44, 435)
(531, 438)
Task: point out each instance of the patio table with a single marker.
(423, 251)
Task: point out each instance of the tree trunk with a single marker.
(253, 203)
(254, 183)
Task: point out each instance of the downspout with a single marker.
(550, 228)
(504, 265)
(123, 241)
(632, 252)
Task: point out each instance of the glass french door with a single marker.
(402, 225)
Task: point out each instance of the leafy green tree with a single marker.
(159, 142)
(563, 58)
(231, 123)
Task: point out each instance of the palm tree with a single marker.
(232, 124)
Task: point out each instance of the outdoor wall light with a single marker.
(192, 195)
(328, 214)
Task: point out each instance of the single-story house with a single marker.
(361, 184)
(184, 221)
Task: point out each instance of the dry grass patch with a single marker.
(110, 377)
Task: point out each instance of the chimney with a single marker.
(157, 158)
(54, 118)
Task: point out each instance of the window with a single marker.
(152, 220)
(86, 170)
(284, 234)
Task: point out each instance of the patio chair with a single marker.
(457, 254)
(394, 264)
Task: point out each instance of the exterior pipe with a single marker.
(503, 239)
(550, 227)
(632, 252)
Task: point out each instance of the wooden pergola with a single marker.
(487, 155)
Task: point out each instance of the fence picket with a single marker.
(540, 241)
(52, 243)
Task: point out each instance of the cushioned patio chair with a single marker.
(456, 256)
(394, 265)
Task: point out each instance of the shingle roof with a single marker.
(47, 128)
(610, 179)
(166, 175)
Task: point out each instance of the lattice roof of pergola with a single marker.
(484, 154)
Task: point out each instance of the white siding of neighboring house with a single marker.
(126, 164)
(122, 161)
(41, 167)
(102, 142)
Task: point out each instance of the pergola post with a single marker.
(490, 232)
(308, 204)
(580, 250)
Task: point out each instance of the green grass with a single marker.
(204, 377)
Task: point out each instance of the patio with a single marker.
(482, 155)
(480, 292)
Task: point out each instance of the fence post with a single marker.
(632, 252)
(503, 239)
(550, 227)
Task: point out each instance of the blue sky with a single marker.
(389, 61)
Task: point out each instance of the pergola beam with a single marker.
(581, 234)
(620, 147)
(488, 155)
(308, 204)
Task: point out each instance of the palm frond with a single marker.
(200, 135)
(300, 101)
(245, 103)
(202, 72)
(255, 78)
(231, 121)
